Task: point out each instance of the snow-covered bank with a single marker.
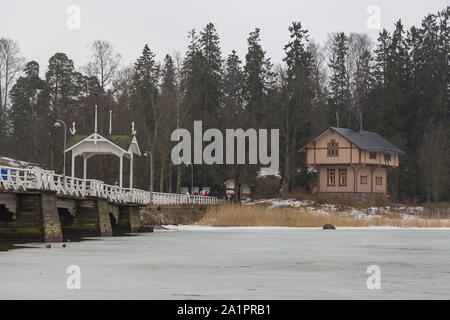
(406, 212)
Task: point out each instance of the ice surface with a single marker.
(192, 262)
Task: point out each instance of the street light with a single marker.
(58, 124)
(148, 154)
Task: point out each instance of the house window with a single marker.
(372, 155)
(331, 177)
(342, 177)
(333, 149)
(387, 157)
(363, 179)
(379, 181)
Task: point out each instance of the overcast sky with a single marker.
(41, 27)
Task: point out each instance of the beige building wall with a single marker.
(370, 172)
(379, 158)
(319, 153)
(323, 179)
(382, 173)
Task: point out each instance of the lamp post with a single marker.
(170, 176)
(58, 124)
(148, 154)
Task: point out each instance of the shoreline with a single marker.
(208, 228)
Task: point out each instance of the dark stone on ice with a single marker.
(328, 226)
(145, 229)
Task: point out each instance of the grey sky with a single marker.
(41, 29)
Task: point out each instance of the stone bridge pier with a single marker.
(46, 216)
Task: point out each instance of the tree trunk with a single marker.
(237, 184)
(178, 178)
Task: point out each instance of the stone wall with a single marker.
(135, 219)
(152, 215)
(36, 218)
(50, 218)
(104, 219)
(123, 224)
(26, 224)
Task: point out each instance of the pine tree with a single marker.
(191, 82)
(61, 93)
(339, 80)
(167, 108)
(389, 100)
(296, 114)
(62, 84)
(234, 81)
(234, 114)
(147, 71)
(144, 100)
(259, 78)
(212, 73)
(22, 115)
(430, 99)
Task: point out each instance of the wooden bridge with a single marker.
(52, 207)
(18, 179)
(48, 206)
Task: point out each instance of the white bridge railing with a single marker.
(19, 179)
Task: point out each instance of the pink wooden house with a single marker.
(351, 162)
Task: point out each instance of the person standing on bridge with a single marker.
(187, 195)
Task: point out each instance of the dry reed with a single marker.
(256, 215)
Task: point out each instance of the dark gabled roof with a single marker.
(366, 140)
(123, 141)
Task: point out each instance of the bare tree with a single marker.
(319, 86)
(103, 65)
(122, 82)
(11, 63)
(359, 63)
(104, 62)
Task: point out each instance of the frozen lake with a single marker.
(237, 263)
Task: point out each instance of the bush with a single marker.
(267, 187)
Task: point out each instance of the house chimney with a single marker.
(354, 122)
(337, 119)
